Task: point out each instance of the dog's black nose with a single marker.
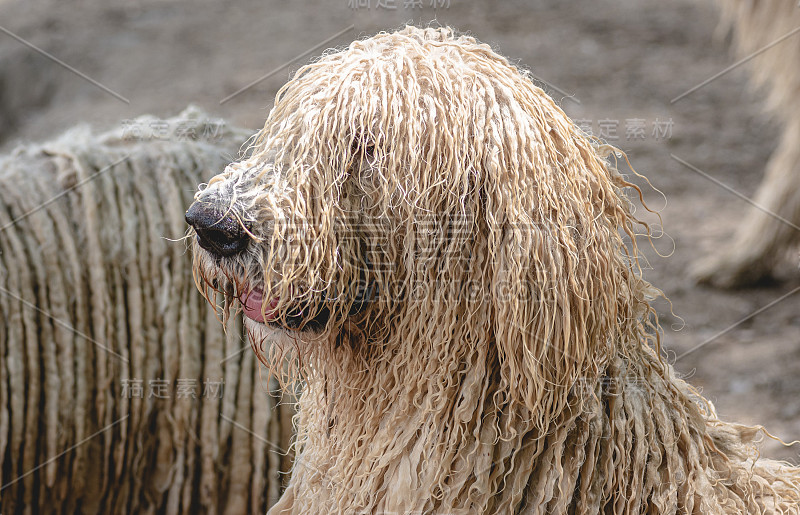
(217, 230)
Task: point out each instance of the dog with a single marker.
(448, 266)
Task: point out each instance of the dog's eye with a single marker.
(362, 148)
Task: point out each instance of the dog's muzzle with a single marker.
(217, 230)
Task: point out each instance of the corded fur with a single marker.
(93, 295)
(763, 241)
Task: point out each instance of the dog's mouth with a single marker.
(294, 307)
(263, 310)
(254, 307)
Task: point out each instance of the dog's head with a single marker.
(416, 189)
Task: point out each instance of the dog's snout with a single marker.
(217, 231)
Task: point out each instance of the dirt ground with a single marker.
(614, 65)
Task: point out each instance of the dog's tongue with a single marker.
(254, 307)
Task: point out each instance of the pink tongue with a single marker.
(254, 307)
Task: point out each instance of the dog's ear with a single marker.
(563, 285)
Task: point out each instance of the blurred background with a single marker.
(617, 67)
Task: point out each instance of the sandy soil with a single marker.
(613, 64)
